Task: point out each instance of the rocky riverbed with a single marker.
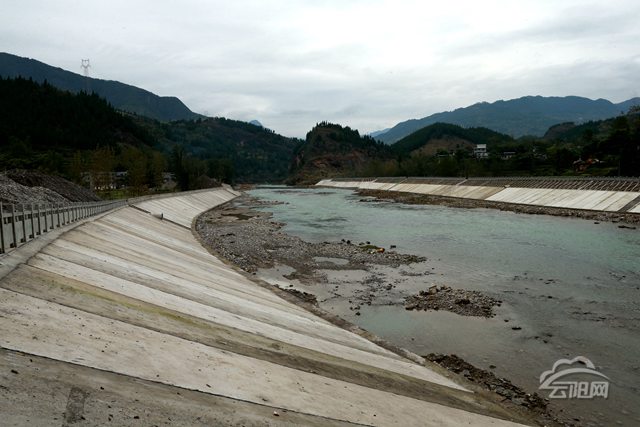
(347, 276)
(251, 240)
(459, 301)
(502, 386)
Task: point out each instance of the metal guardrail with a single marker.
(21, 223)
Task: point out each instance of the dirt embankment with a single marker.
(23, 186)
(454, 202)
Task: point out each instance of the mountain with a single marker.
(121, 96)
(256, 123)
(611, 146)
(379, 132)
(78, 136)
(445, 137)
(331, 150)
(530, 115)
(256, 154)
(68, 134)
(41, 125)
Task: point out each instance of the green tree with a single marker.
(102, 164)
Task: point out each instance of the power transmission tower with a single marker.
(85, 65)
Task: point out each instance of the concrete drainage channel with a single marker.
(596, 194)
(126, 317)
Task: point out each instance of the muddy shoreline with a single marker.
(453, 202)
(251, 240)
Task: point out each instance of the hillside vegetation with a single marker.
(443, 131)
(529, 115)
(121, 96)
(331, 150)
(42, 127)
(233, 150)
(600, 148)
(80, 135)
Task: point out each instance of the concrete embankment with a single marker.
(126, 318)
(595, 194)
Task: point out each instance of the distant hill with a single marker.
(447, 138)
(121, 96)
(331, 150)
(379, 132)
(608, 147)
(530, 115)
(255, 153)
(63, 133)
(39, 119)
(256, 123)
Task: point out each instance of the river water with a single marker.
(572, 286)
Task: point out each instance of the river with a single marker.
(572, 286)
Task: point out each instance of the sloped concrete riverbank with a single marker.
(126, 318)
(558, 195)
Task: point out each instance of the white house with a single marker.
(480, 151)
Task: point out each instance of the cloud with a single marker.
(366, 64)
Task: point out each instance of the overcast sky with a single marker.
(367, 64)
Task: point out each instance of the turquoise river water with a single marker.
(572, 286)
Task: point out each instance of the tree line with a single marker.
(83, 138)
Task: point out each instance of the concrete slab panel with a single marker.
(80, 299)
(129, 350)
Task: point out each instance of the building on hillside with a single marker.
(104, 180)
(480, 152)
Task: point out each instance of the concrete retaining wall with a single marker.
(573, 194)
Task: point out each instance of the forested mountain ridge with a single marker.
(598, 148)
(439, 134)
(330, 150)
(41, 126)
(255, 154)
(121, 96)
(59, 132)
(529, 115)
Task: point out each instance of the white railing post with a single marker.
(24, 225)
(2, 249)
(33, 224)
(13, 225)
(39, 221)
(46, 220)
